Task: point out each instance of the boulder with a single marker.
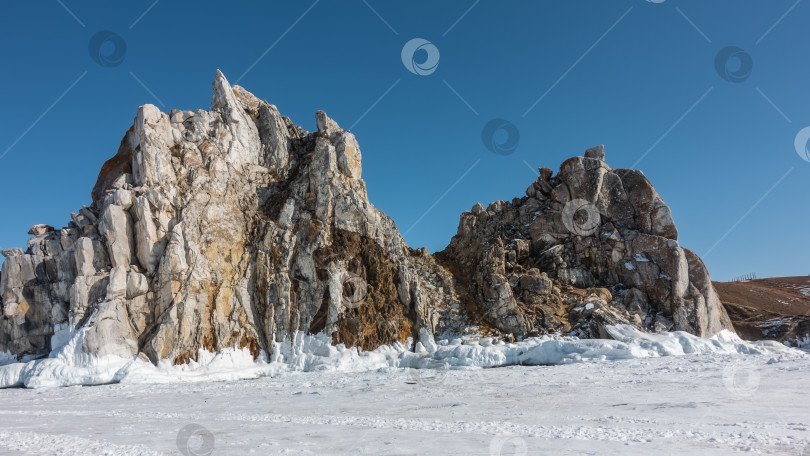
(39, 230)
(597, 152)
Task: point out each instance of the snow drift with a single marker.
(68, 365)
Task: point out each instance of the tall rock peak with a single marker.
(235, 227)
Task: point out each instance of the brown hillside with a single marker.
(775, 309)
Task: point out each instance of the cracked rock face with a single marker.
(589, 235)
(236, 228)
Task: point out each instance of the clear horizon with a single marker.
(705, 98)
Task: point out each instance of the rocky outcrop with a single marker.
(236, 228)
(589, 242)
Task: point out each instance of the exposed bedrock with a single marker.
(236, 228)
(588, 230)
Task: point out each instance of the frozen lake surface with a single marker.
(692, 404)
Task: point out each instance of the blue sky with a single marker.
(637, 76)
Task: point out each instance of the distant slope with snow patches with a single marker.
(776, 308)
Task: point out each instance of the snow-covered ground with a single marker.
(803, 290)
(638, 396)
